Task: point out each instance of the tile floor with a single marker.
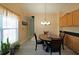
(28, 48)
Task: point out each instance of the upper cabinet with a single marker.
(63, 21)
(76, 18)
(70, 19)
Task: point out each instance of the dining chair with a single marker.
(55, 46)
(62, 35)
(38, 42)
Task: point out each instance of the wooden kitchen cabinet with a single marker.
(76, 44)
(75, 16)
(66, 20)
(65, 39)
(68, 41)
(72, 42)
(69, 19)
(63, 21)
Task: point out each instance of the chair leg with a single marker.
(50, 51)
(35, 47)
(44, 45)
(63, 45)
(59, 51)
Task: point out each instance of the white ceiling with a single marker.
(40, 7)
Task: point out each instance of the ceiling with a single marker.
(23, 8)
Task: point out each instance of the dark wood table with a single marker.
(48, 38)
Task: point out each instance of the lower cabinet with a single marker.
(72, 42)
(76, 44)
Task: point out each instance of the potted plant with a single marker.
(15, 48)
(5, 47)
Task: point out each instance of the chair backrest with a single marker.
(35, 37)
(62, 35)
(56, 43)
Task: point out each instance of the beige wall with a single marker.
(53, 27)
(22, 31)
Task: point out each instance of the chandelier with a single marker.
(45, 21)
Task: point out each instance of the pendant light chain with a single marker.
(45, 22)
(45, 11)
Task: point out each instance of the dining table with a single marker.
(47, 38)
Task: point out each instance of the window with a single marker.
(8, 27)
(1, 17)
(0, 39)
(11, 34)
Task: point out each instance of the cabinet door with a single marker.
(64, 20)
(66, 39)
(69, 41)
(76, 44)
(69, 19)
(76, 18)
(72, 42)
